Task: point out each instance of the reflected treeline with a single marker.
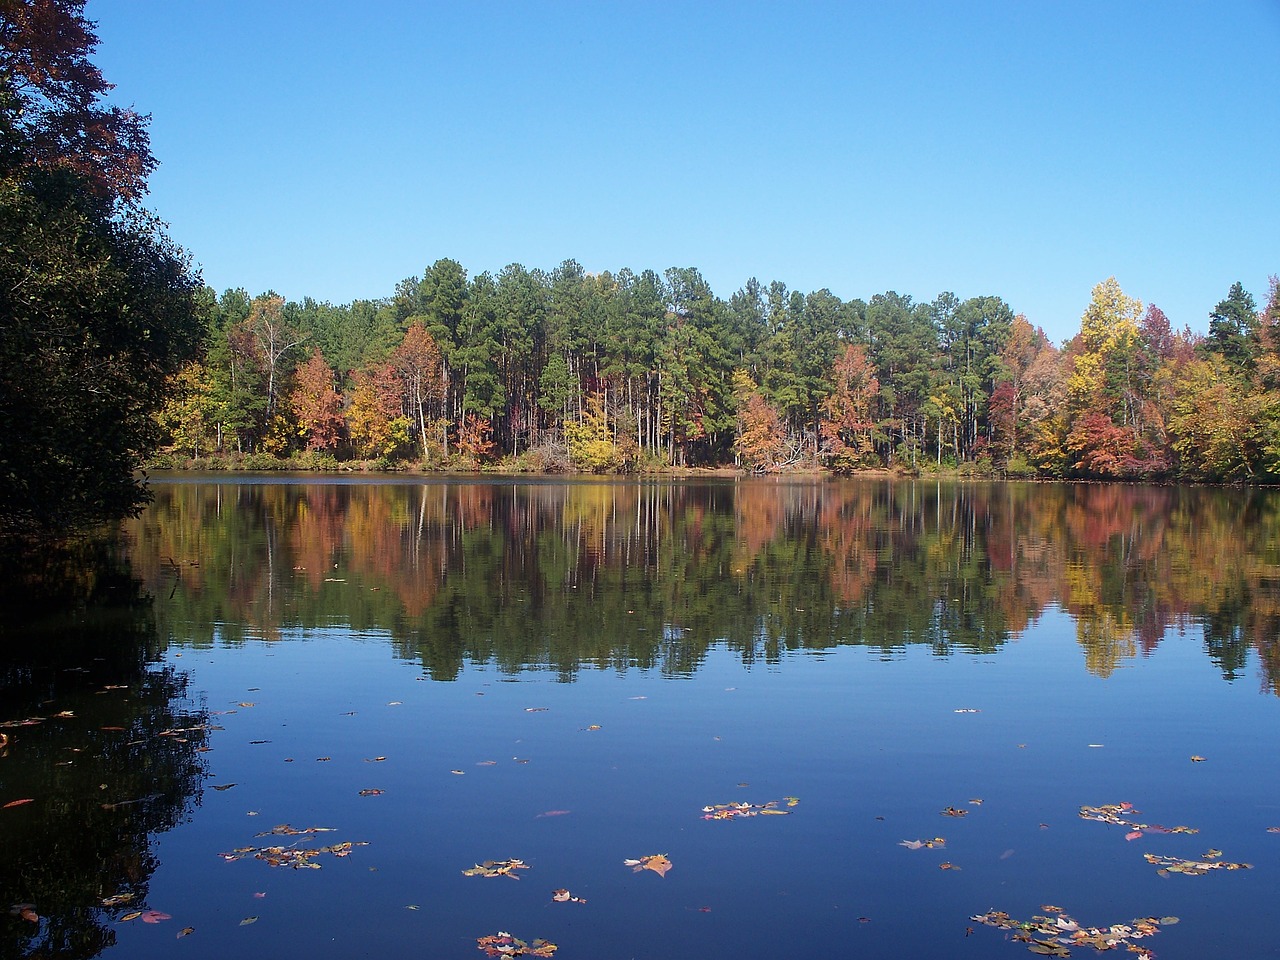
(104, 744)
(652, 575)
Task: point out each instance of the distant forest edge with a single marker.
(567, 371)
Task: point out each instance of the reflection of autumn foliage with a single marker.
(653, 574)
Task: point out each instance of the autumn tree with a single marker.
(848, 426)
(418, 367)
(316, 405)
(375, 417)
(761, 436)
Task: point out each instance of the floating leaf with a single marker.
(536, 709)
(374, 759)
(923, 844)
(563, 896)
(29, 914)
(154, 916)
(118, 899)
(185, 932)
(496, 868)
(947, 865)
(373, 792)
(248, 920)
(730, 811)
(131, 916)
(1196, 758)
(656, 862)
(503, 944)
(554, 813)
(18, 803)
(1120, 814)
(222, 786)
(412, 906)
(458, 773)
(954, 812)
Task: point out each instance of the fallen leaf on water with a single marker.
(1133, 835)
(656, 862)
(554, 813)
(967, 710)
(222, 786)
(954, 812)
(1193, 868)
(1095, 746)
(536, 709)
(923, 844)
(372, 793)
(395, 703)
(563, 896)
(154, 916)
(259, 895)
(412, 906)
(459, 773)
(131, 916)
(503, 944)
(947, 865)
(28, 914)
(496, 868)
(374, 759)
(323, 759)
(1273, 829)
(731, 811)
(246, 703)
(248, 920)
(118, 899)
(487, 763)
(594, 726)
(1196, 758)
(18, 803)
(976, 801)
(185, 932)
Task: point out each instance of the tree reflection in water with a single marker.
(115, 759)
(613, 575)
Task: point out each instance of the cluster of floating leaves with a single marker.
(1212, 860)
(1120, 814)
(496, 868)
(299, 858)
(730, 811)
(657, 862)
(503, 944)
(1059, 932)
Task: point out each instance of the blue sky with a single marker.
(1024, 149)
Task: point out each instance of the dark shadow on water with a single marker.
(103, 742)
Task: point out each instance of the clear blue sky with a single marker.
(1025, 149)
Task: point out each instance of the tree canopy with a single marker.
(99, 307)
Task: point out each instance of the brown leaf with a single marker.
(656, 862)
(185, 932)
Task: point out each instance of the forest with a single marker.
(569, 371)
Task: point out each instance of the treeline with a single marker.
(568, 370)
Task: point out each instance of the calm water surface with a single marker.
(568, 674)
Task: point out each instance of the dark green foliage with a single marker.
(97, 312)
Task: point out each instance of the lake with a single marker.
(330, 718)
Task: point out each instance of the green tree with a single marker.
(99, 306)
